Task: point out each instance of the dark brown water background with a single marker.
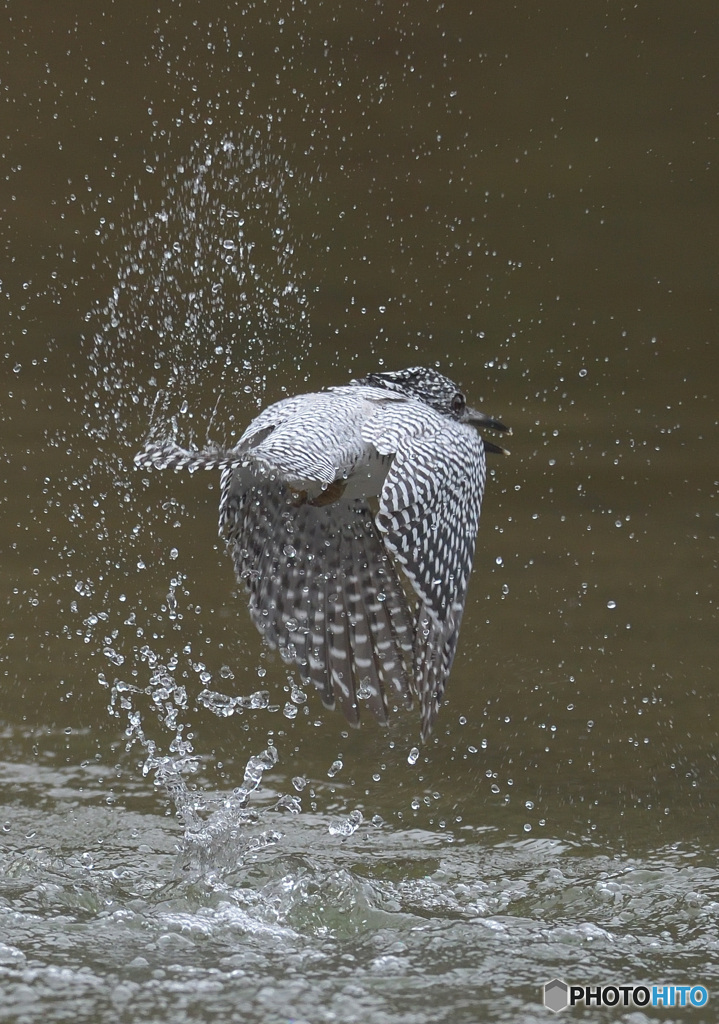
(221, 204)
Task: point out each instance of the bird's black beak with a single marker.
(481, 419)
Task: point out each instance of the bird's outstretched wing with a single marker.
(322, 589)
(428, 516)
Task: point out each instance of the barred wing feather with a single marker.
(322, 590)
(428, 516)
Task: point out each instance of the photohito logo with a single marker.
(558, 995)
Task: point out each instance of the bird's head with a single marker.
(435, 390)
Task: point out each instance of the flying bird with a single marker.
(351, 515)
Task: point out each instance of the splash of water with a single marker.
(207, 289)
(207, 301)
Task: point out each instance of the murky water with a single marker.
(208, 211)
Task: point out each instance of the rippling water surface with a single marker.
(208, 211)
(328, 914)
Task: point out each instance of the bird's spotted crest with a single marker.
(425, 384)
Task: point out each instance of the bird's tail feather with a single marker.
(169, 455)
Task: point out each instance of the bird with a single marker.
(351, 515)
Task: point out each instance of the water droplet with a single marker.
(347, 827)
(364, 690)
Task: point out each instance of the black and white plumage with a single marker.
(352, 516)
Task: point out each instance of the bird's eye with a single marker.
(458, 403)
